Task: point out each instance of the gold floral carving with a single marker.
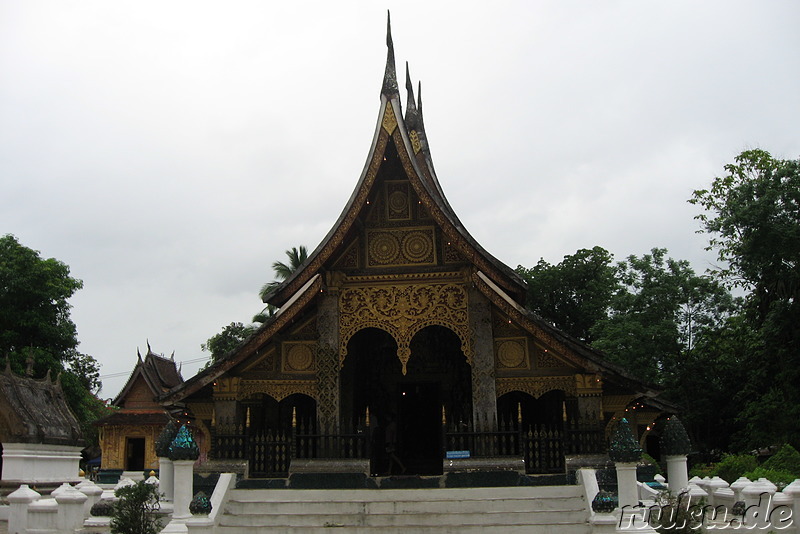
(277, 389)
(389, 120)
(415, 144)
(298, 357)
(588, 384)
(349, 259)
(536, 386)
(226, 388)
(401, 246)
(402, 311)
(544, 359)
(512, 353)
(398, 200)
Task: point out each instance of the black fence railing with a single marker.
(269, 451)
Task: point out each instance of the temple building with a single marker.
(127, 436)
(402, 336)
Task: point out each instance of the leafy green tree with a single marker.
(574, 294)
(752, 214)
(228, 339)
(657, 314)
(136, 510)
(35, 326)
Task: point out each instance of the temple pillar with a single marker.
(484, 393)
(328, 360)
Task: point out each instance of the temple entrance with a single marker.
(134, 454)
(406, 413)
(420, 427)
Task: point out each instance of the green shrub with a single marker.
(649, 460)
(787, 459)
(136, 510)
(675, 514)
(733, 466)
(778, 477)
(703, 470)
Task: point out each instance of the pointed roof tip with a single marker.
(412, 115)
(390, 88)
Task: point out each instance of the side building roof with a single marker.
(35, 411)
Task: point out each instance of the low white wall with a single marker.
(36, 463)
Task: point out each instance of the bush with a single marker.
(703, 470)
(787, 459)
(733, 466)
(778, 477)
(649, 460)
(675, 514)
(136, 510)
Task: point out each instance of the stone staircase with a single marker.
(508, 510)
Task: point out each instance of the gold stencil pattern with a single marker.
(277, 389)
(402, 311)
(536, 386)
(398, 205)
(298, 357)
(415, 144)
(389, 120)
(545, 359)
(402, 246)
(512, 353)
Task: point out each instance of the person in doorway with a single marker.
(391, 445)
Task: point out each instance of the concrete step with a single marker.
(407, 529)
(415, 519)
(509, 509)
(375, 495)
(404, 506)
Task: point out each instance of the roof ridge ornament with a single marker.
(423, 137)
(390, 87)
(412, 115)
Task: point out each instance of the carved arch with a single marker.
(402, 311)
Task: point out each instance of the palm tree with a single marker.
(297, 256)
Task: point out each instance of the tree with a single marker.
(574, 294)
(228, 339)
(658, 319)
(752, 214)
(136, 510)
(297, 256)
(35, 325)
(34, 311)
(658, 313)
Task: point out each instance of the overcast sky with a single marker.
(169, 152)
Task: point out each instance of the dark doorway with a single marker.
(436, 388)
(134, 454)
(420, 427)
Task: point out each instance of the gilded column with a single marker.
(484, 397)
(328, 361)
